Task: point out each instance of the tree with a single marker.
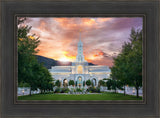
(135, 60)
(45, 81)
(120, 69)
(26, 49)
(84, 83)
(114, 85)
(101, 83)
(88, 82)
(29, 70)
(27, 45)
(71, 82)
(109, 84)
(128, 64)
(58, 83)
(119, 84)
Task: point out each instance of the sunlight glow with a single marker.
(64, 59)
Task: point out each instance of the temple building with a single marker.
(80, 71)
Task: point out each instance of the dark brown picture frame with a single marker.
(149, 107)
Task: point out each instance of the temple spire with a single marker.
(80, 56)
(80, 42)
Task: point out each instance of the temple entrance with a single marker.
(79, 82)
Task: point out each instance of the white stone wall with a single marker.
(26, 91)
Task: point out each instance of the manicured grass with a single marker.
(101, 96)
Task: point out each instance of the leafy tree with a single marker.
(88, 82)
(71, 82)
(45, 81)
(101, 83)
(58, 83)
(120, 70)
(119, 84)
(109, 84)
(128, 64)
(135, 60)
(29, 70)
(114, 85)
(26, 49)
(23, 84)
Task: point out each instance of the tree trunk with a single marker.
(30, 91)
(124, 90)
(137, 92)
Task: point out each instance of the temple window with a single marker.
(80, 69)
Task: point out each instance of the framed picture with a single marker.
(80, 59)
(89, 67)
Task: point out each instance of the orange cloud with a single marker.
(99, 54)
(66, 56)
(72, 23)
(88, 21)
(66, 22)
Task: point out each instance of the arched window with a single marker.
(94, 82)
(65, 83)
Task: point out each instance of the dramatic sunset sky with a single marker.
(102, 37)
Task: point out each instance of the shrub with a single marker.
(93, 90)
(64, 90)
(58, 90)
(78, 90)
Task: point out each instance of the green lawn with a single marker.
(101, 96)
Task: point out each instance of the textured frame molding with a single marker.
(148, 8)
